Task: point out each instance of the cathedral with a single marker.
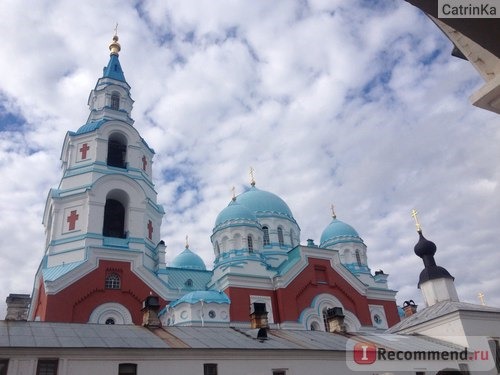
(104, 255)
(107, 300)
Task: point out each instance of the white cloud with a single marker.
(330, 102)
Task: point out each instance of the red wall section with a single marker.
(317, 278)
(76, 302)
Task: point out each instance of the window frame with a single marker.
(110, 281)
(49, 362)
(122, 368)
(281, 239)
(266, 239)
(210, 369)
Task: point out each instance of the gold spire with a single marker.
(480, 295)
(233, 189)
(252, 176)
(187, 242)
(414, 214)
(115, 47)
(333, 212)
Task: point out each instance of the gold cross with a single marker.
(481, 298)
(414, 214)
(252, 176)
(233, 189)
(333, 211)
(116, 29)
(187, 242)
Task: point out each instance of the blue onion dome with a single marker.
(263, 203)
(207, 296)
(188, 260)
(235, 213)
(338, 231)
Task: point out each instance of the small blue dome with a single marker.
(207, 296)
(234, 211)
(188, 260)
(338, 231)
(264, 203)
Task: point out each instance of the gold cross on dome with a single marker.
(233, 190)
(252, 176)
(414, 214)
(187, 242)
(333, 211)
(480, 295)
(116, 29)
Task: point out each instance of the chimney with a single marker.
(151, 306)
(409, 308)
(335, 320)
(258, 318)
(17, 306)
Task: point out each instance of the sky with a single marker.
(355, 103)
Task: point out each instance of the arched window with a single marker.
(117, 151)
(250, 243)
(114, 219)
(291, 238)
(115, 101)
(217, 248)
(266, 235)
(189, 283)
(112, 281)
(281, 241)
(109, 321)
(358, 258)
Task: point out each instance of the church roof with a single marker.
(438, 310)
(90, 126)
(235, 212)
(113, 69)
(263, 203)
(188, 260)
(22, 334)
(338, 231)
(207, 296)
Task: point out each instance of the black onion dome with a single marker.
(424, 247)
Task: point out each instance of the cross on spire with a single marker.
(85, 147)
(150, 230)
(480, 295)
(72, 219)
(187, 242)
(252, 176)
(233, 190)
(333, 211)
(414, 214)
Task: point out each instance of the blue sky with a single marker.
(355, 103)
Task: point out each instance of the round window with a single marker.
(211, 314)
(377, 319)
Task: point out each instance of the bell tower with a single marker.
(102, 223)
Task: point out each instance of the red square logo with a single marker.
(365, 353)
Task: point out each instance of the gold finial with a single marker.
(333, 211)
(187, 242)
(115, 47)
(252, 176)
(233, 190)
(414, 214)
(480, 295)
